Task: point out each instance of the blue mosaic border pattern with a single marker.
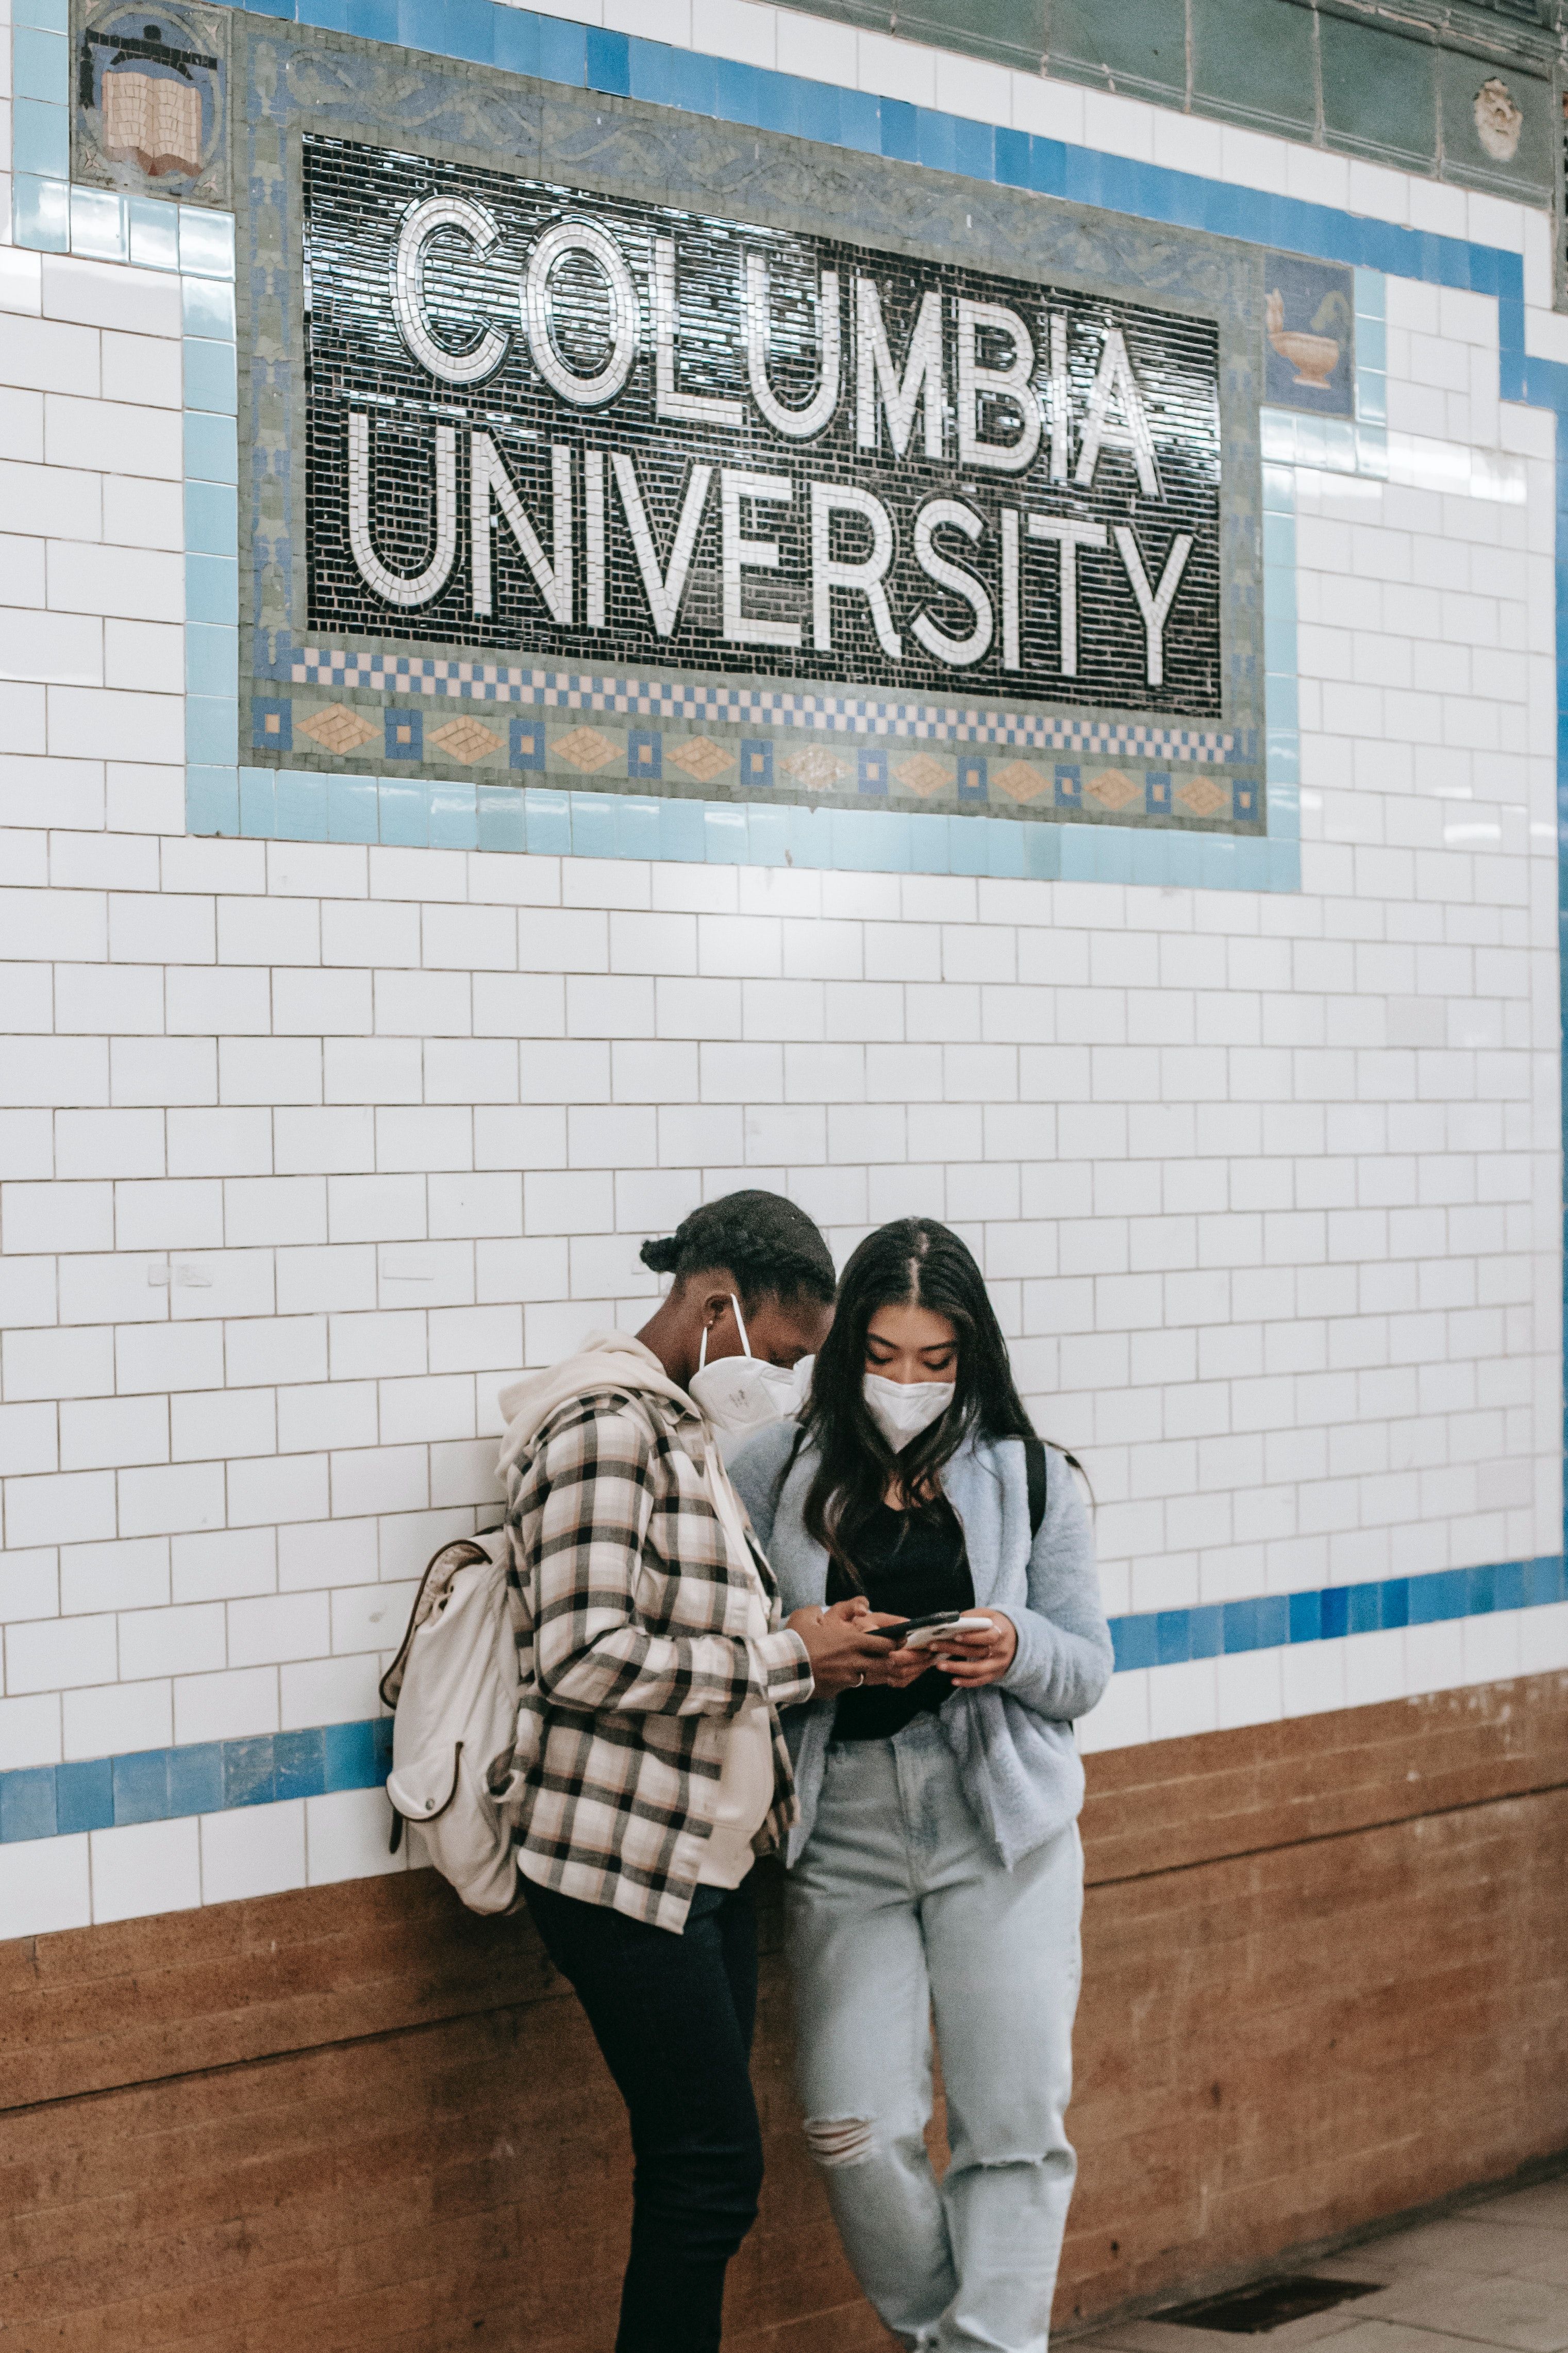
(334, 667)
(209, 1777)
(1282, 681)
(158, 1784)
(40, 124)
(1164, 1638)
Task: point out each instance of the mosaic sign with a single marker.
(544, 417)
(560, 469)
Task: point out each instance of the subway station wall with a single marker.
(354, 2114)
(1462, 92)
(345, 1070)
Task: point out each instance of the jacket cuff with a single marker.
(1024, 1664)
(783, 1668)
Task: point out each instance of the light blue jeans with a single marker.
(897, 1910)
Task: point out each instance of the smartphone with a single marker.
(926, 1636)
(920, 1633)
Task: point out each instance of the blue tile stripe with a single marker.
(418, 813)
(161, 1785)
(1165, 1638)
(208, 1776)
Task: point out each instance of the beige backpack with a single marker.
(453, 1689)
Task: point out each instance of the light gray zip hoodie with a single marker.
(1013, 1742)
(606, 1360)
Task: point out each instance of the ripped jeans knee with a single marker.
(837, 2141)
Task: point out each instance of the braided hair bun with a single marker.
(772, 1248)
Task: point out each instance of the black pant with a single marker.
(673, 2016)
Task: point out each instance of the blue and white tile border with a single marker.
(209, 1777)
(90, 1795)
(332, 668)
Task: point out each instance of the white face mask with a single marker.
(901, 1409)
(741, 1393)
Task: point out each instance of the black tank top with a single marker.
(911, 1563)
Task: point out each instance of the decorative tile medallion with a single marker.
(1308, 330)
(702, 760)
(790, 503)
(1022, 782)
(817, 771)
(150, 102)
(1201, 796)
(924, 774)
(465, 740)
(585, 749)
(339, 729)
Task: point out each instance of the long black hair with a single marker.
(914, 1262)
(773, 1250)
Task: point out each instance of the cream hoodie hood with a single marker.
(607, 1360)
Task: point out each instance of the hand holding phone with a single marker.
(843, 1644)
(901, 1664)
(972, 1662)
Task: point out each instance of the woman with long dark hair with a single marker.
(936, 1864)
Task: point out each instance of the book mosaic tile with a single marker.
(151, 100)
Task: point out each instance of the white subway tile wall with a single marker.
(304, 1149)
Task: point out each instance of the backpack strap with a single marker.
(461, 1552)
(1035, 1472)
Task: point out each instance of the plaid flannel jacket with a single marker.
(631, 1612)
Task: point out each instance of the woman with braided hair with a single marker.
(654, 1661)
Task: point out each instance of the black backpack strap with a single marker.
(1034, 1471)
